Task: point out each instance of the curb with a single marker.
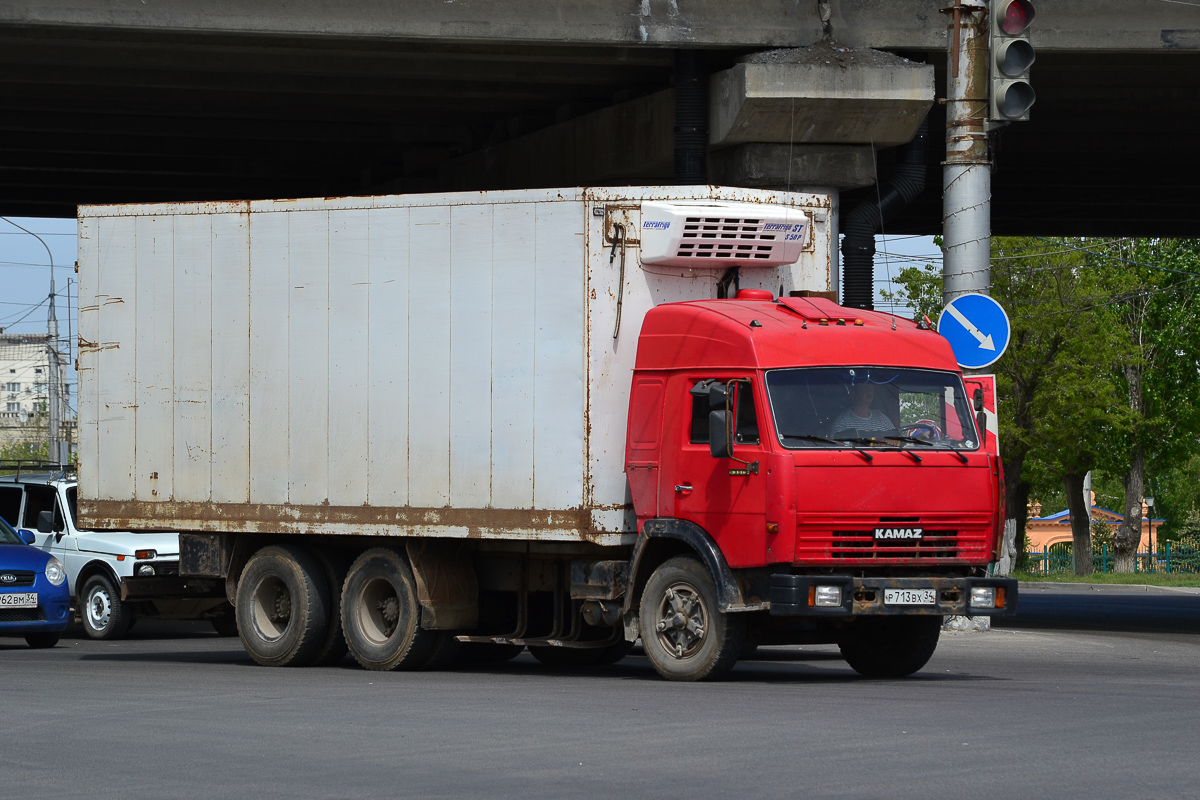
(1122, 588)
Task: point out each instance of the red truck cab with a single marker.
(824, 462)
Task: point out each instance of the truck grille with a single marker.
(22, 615)
(847, 541)
(862, 544)
(20, 577)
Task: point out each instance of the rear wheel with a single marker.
(105, 615)
(282, 607)
(892, 647)
(684, 634)
(39, 641)
(381, 614)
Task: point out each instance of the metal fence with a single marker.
(1171, 557)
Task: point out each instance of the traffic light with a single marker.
(1011, 58)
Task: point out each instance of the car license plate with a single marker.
(909, 597)
(23, 600)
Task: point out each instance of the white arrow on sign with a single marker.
(985, 342)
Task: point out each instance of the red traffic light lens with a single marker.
(1017, 16)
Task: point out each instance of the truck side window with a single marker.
(10, 504)
(37, 500)
(744, 413)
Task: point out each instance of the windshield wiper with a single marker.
(809, 437)
(927, 443)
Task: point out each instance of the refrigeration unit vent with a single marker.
(721, 234)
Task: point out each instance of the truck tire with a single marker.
(282, 606)
(684, 634)
(333, 648)
(892, 647)
(381, 614)
(39, 641)
(105, 615)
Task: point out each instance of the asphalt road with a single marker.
(1010, 713)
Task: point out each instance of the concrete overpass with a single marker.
(111, 101)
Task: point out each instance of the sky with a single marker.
(25, 281)
(25, 276)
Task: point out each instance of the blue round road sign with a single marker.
(977, 329)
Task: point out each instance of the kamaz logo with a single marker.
(658, 226)
(782, 226)
(7, 578)
(899, 533)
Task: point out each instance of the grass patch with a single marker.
(1136, 578)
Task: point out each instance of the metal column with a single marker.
(967, 177)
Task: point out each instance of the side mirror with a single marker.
(720, 443)
(977, 399)
(45, 522)
(26, 536)
(981, 422)
(718, 435)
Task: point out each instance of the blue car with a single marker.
(35, 601)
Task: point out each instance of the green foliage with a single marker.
(23, 451)
(920, 289)
(1092, 320)
(1102, 535)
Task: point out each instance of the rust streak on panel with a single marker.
(259, 516)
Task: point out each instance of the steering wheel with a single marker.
(924, 429)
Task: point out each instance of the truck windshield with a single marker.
(855, 406)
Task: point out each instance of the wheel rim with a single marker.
(682, 623)
(99, 608)
(271, 608)
(378, 610)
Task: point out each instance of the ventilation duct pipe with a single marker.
(861, 224)
(691, 118)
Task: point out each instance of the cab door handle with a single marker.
(683, 488)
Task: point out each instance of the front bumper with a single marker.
(53, 612)
(792, 596)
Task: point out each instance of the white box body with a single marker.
(420, 365)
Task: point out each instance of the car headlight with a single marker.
(144, 570)
(55, 572)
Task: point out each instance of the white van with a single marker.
(115, 577)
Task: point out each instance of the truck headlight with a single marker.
(145, 570)
(55, 572)
(828, 597)
(983, 597)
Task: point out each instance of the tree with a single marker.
(1153, 283)
(1055, 397)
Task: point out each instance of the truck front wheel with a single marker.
(892, 647)
(105, 615)
(282, 607)
(381, 614)
(684, 634)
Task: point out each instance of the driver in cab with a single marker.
(860, 416)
